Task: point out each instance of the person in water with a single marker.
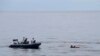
(74, 46)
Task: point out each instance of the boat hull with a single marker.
(35, 45)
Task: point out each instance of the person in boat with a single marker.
(33, 41)
(25, 41)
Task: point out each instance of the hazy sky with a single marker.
(49, 5)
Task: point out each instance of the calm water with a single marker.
(56, 30)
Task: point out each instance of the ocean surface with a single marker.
(55, 30)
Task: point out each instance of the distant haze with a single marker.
(49, 5)
(63, 25)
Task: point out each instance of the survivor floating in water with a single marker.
(25, 44)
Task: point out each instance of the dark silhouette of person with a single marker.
(33, 41)
(25, 41)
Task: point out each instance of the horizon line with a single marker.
(48, 11)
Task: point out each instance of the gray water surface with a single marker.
(55, 30)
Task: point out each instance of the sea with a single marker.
(57, 31)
